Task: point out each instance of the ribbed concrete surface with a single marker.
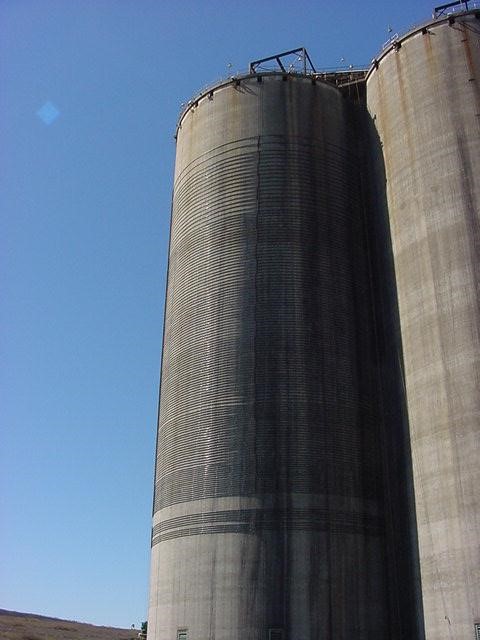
(425, 100)
(270, 482)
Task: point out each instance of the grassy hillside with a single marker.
(28, 626)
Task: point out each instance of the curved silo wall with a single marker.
(270, 499)
(424, 96)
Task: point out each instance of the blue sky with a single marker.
(84, 214)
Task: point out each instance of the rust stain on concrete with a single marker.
(472, 71)
(403, 94)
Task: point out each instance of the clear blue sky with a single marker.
(84, 206)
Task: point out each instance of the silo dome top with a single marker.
(447, 13)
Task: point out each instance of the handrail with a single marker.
(458, 5)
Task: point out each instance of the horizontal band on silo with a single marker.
(251, 521)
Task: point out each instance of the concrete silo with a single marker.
(423, 93)
(273, 515)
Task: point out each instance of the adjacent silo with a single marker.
(272, 516)
(423, 93)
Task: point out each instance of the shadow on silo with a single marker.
(404, 578)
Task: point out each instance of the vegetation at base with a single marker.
(28, 626)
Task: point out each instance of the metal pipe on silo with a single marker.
(271, 519)
(423, 93)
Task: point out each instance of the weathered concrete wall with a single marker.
(270, 502)
(424, 97)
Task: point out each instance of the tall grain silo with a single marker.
(423, 93)
(274, 516)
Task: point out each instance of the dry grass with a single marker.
(28, 626)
